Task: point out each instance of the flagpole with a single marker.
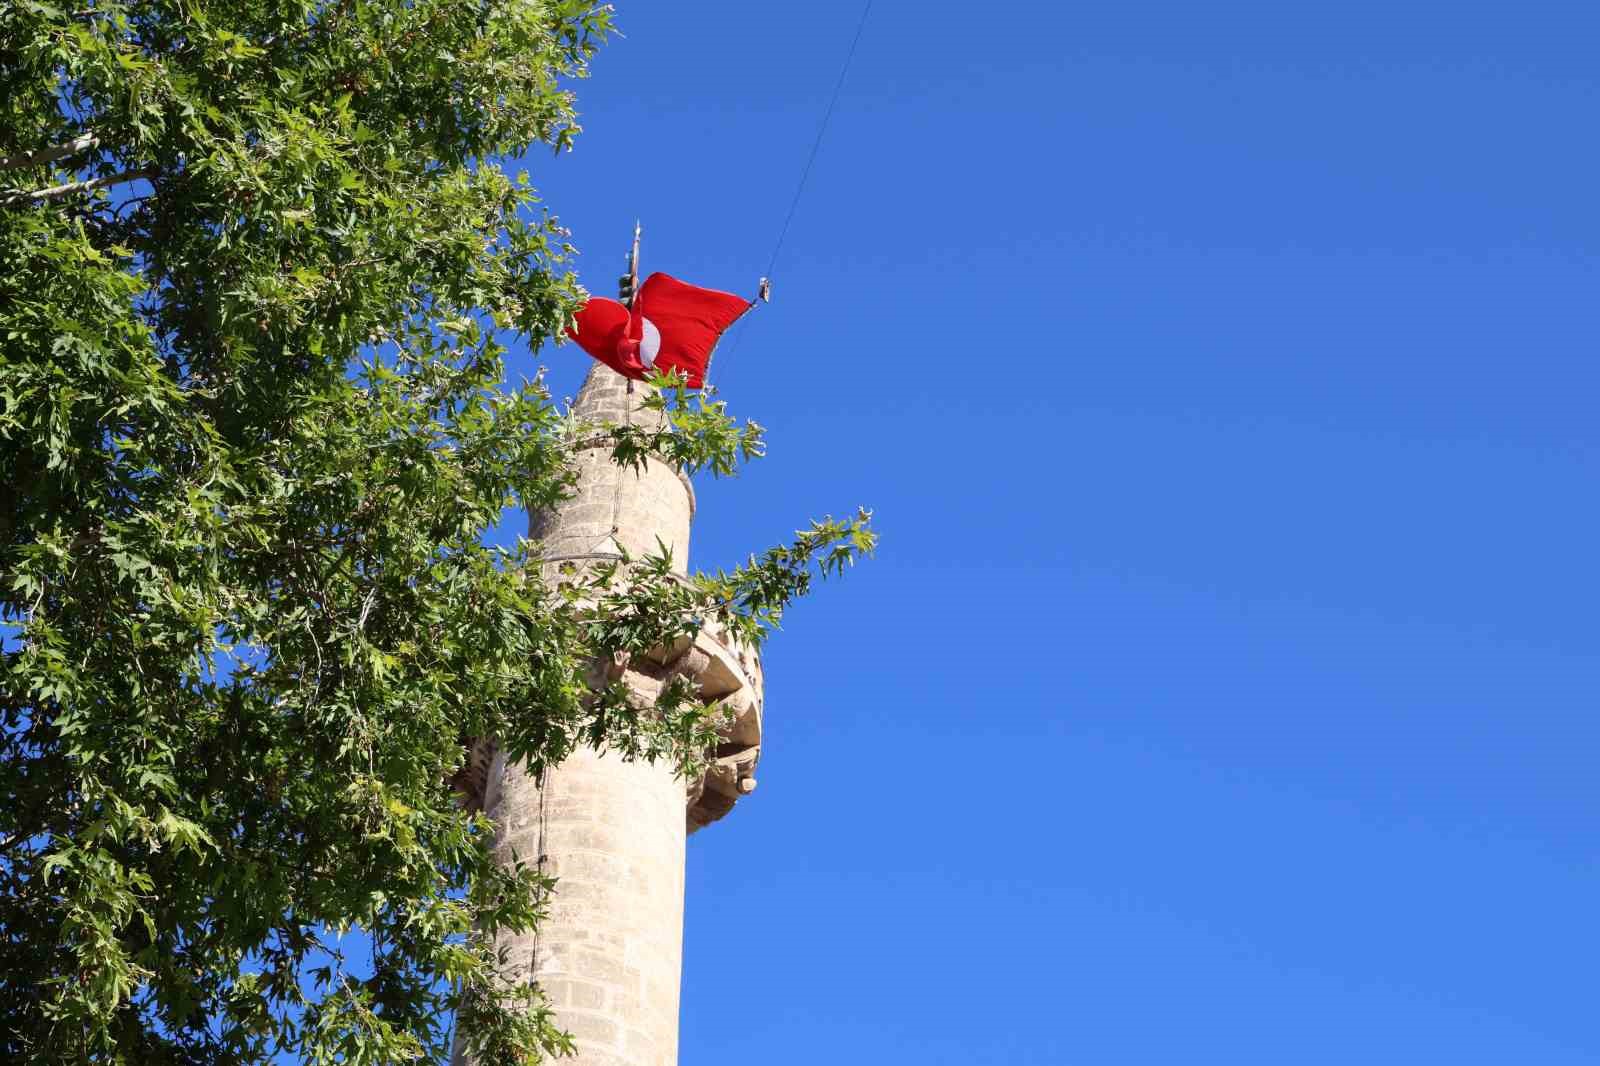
(630, 281)
(630, 293)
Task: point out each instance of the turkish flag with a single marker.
(672, 326)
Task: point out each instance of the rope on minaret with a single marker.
(544, 831)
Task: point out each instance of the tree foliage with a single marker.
(260, 262)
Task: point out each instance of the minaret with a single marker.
(610, 954)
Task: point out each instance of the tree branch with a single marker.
(17, 838)
(49, 155)
(55, 192)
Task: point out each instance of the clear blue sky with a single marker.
(1224, 379)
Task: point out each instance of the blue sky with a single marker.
(1223, 378)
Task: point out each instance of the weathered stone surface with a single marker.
(616, 508)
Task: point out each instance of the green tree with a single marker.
(258, 262)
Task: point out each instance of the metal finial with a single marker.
(628, 284)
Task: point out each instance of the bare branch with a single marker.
(49, 155)
(55, 192)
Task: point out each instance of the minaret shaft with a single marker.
(615, 507)
(609, 956)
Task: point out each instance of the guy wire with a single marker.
(816, 145)
(805, 172)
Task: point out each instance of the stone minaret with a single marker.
(610, 955)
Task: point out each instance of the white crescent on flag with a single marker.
(649, 344)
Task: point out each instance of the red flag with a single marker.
(672, 326)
